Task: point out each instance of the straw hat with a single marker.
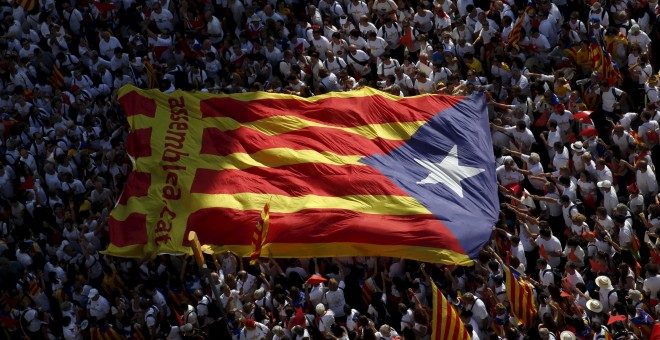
(594, 306)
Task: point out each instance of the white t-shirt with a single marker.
(609, 98)
(550, 246)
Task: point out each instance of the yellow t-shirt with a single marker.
(475, 66)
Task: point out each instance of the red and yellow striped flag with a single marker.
(516, 32)
(446, 322)
(56, 79)
(105, 333)
(353, 174)
(34, 289)
(521, 298)
(260, 232)
(28, 5)
(152, 81)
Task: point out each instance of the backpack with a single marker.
(616, 97)
(276, 70)
(313, 329)
(639, 231)
(578, 206)
(555, 275)
(652, 136)
(214, 310)
(620, 295)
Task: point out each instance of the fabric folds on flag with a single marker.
(56, 78)
(603, 62)
(28, 5)
(521, 297)
(643, 322)
(446, 323)
(260, 232)
(359, 173)
(516, 32)
(152, 80)
(105, 333)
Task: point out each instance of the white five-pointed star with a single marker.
(448, 172)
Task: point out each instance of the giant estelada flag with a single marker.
(360, 173)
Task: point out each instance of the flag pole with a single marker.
(205, 271)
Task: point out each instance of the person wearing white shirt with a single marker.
(213, 28)
(97, 306)
(507, 173)
(423, 85)
(541, 43)
(107, 44)
(607, 294)
(376, 45)
(423, 19)
(547, 27)
(163, 18)
(523, 139)
(280, 333)
(462, 6)
(599, 15)
(320, 43)
(645, 179)
(610, 198)
(326, 318)
(333, 64)
(365, 26)
(334, 298)
(386, 332)
(652, 282)
(609, 96)
(357, 9)
(391, 32)
(253, 331)
(636, 36)
(404, 82)
(546, 276)
(518, 79)
(230, 299)
(479, 311)
(387, 66)
(72, 17)
(551, 246)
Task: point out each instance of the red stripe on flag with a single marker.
(447, 319)
(247, 140)
(135, 104)
(521, 299)
(129, 232)
(28, 5)
(345, 112)
(138, 143)
(516, 31)
(297, 180)
(236, 227)
(140, 182)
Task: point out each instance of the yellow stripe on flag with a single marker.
(368, 204)
(446, 323)
(278, 157)
(273, 126)
(260, 232)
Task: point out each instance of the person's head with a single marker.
(469, 298)
(642, 165)
(651, 270)
(546, 234)
(320, 309)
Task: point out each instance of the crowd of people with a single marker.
(575, 141)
